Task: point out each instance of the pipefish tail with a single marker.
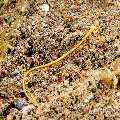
(24, 79)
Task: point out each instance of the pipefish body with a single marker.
(80, 44)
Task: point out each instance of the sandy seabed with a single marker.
(80, 87)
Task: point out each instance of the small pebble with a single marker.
(9, 116)
(45, 7)
(18, 104)
(118, 93)
(88, 98)
(27, 109)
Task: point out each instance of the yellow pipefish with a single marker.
(80, 44)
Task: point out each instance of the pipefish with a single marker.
(80, 44)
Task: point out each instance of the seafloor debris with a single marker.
(107, 76)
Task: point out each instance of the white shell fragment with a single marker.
(45, 7)
(88, 98)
